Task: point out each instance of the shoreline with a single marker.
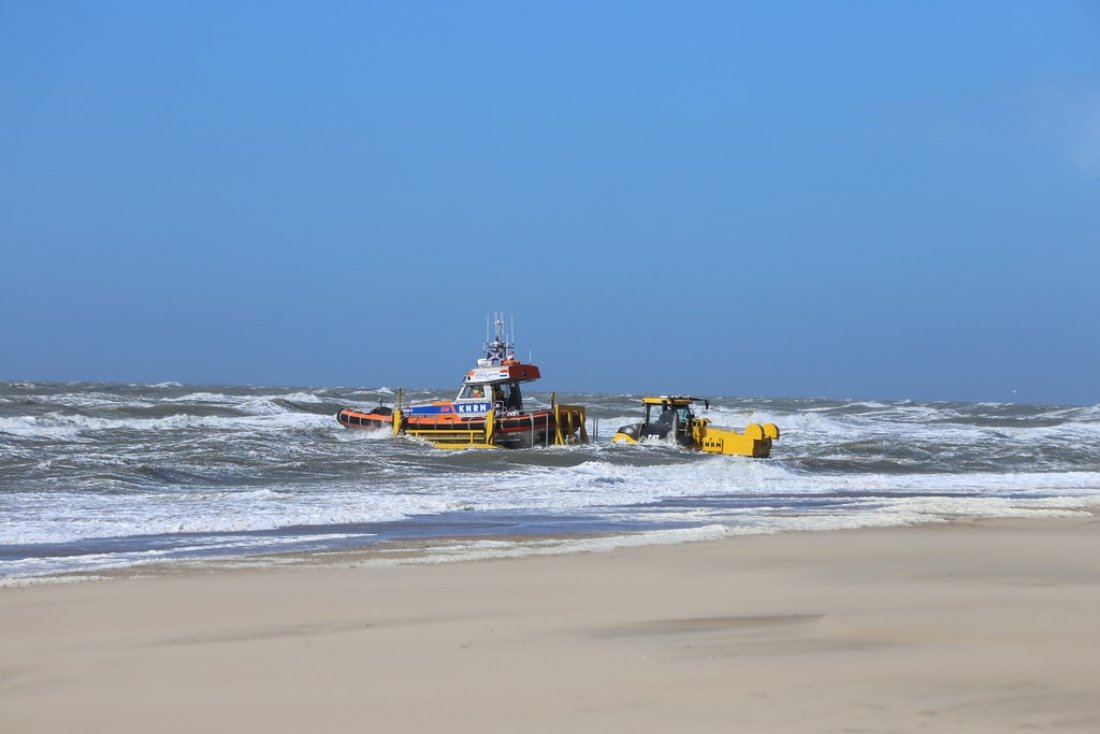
(973, 625)
(476, 544)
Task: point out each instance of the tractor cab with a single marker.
(664, 416)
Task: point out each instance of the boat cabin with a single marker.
(505, 397)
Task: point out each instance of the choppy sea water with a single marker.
(103, 476)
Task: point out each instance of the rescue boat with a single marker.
(487, 412)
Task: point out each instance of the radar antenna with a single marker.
(501, 346)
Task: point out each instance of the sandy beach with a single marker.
(985, 626)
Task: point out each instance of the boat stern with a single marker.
(377, 418)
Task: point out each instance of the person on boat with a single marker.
(476, 392)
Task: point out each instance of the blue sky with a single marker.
(865, 199)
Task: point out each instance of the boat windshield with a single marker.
(504, 395)
(472, 392)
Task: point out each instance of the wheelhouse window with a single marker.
(506, 394)
(472, 392)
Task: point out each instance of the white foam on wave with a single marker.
(356, 434)
(596, 485)
(976, 483)
(610, 425)
(45, 579)
(265, 418)
(63, 517)
(227, 399)
(33, 570)
(796, 423)
(947, 428)
(34, 427)
(92, 400)
(909, 512)
(205, 397)
(496, 549)
(301, 397)
(250, 404)
(895, 512)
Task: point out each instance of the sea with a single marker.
(98, 478)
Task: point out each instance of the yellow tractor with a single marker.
(667, 416)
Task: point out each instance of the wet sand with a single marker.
(984, 626)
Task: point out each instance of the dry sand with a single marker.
(983, 627)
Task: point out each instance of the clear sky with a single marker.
(860, 199)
